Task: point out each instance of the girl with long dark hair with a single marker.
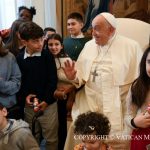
(138, 108)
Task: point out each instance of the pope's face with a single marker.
(102, 31)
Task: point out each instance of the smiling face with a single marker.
(54, 46)
(102, 30)
(74, 27)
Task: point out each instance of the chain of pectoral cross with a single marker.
(94, 73)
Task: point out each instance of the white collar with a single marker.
(78, 36)
(34, 54)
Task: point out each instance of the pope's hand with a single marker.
(69, 69)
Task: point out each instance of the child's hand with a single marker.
(42, 106)
(142, 121)
(79, 147)
(29, 99)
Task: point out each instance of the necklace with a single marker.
(94, 73)
(77, 43)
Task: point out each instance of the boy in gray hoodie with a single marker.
(15, 134)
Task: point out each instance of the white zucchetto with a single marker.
(110, 18)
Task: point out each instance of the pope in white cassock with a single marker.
(107, 66)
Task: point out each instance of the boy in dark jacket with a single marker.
(39, 79)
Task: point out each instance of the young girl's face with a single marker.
(54, 46)
(92, 144)
(148, 65)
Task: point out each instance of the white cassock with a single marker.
(107, 72)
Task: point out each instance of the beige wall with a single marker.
(70, 6)
(39, 17)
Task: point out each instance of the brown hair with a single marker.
(77, 16)
(1, 106)
(13, 41)
(141, 85)
(3, 51)
(92, 122)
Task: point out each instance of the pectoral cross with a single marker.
(94, 75)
